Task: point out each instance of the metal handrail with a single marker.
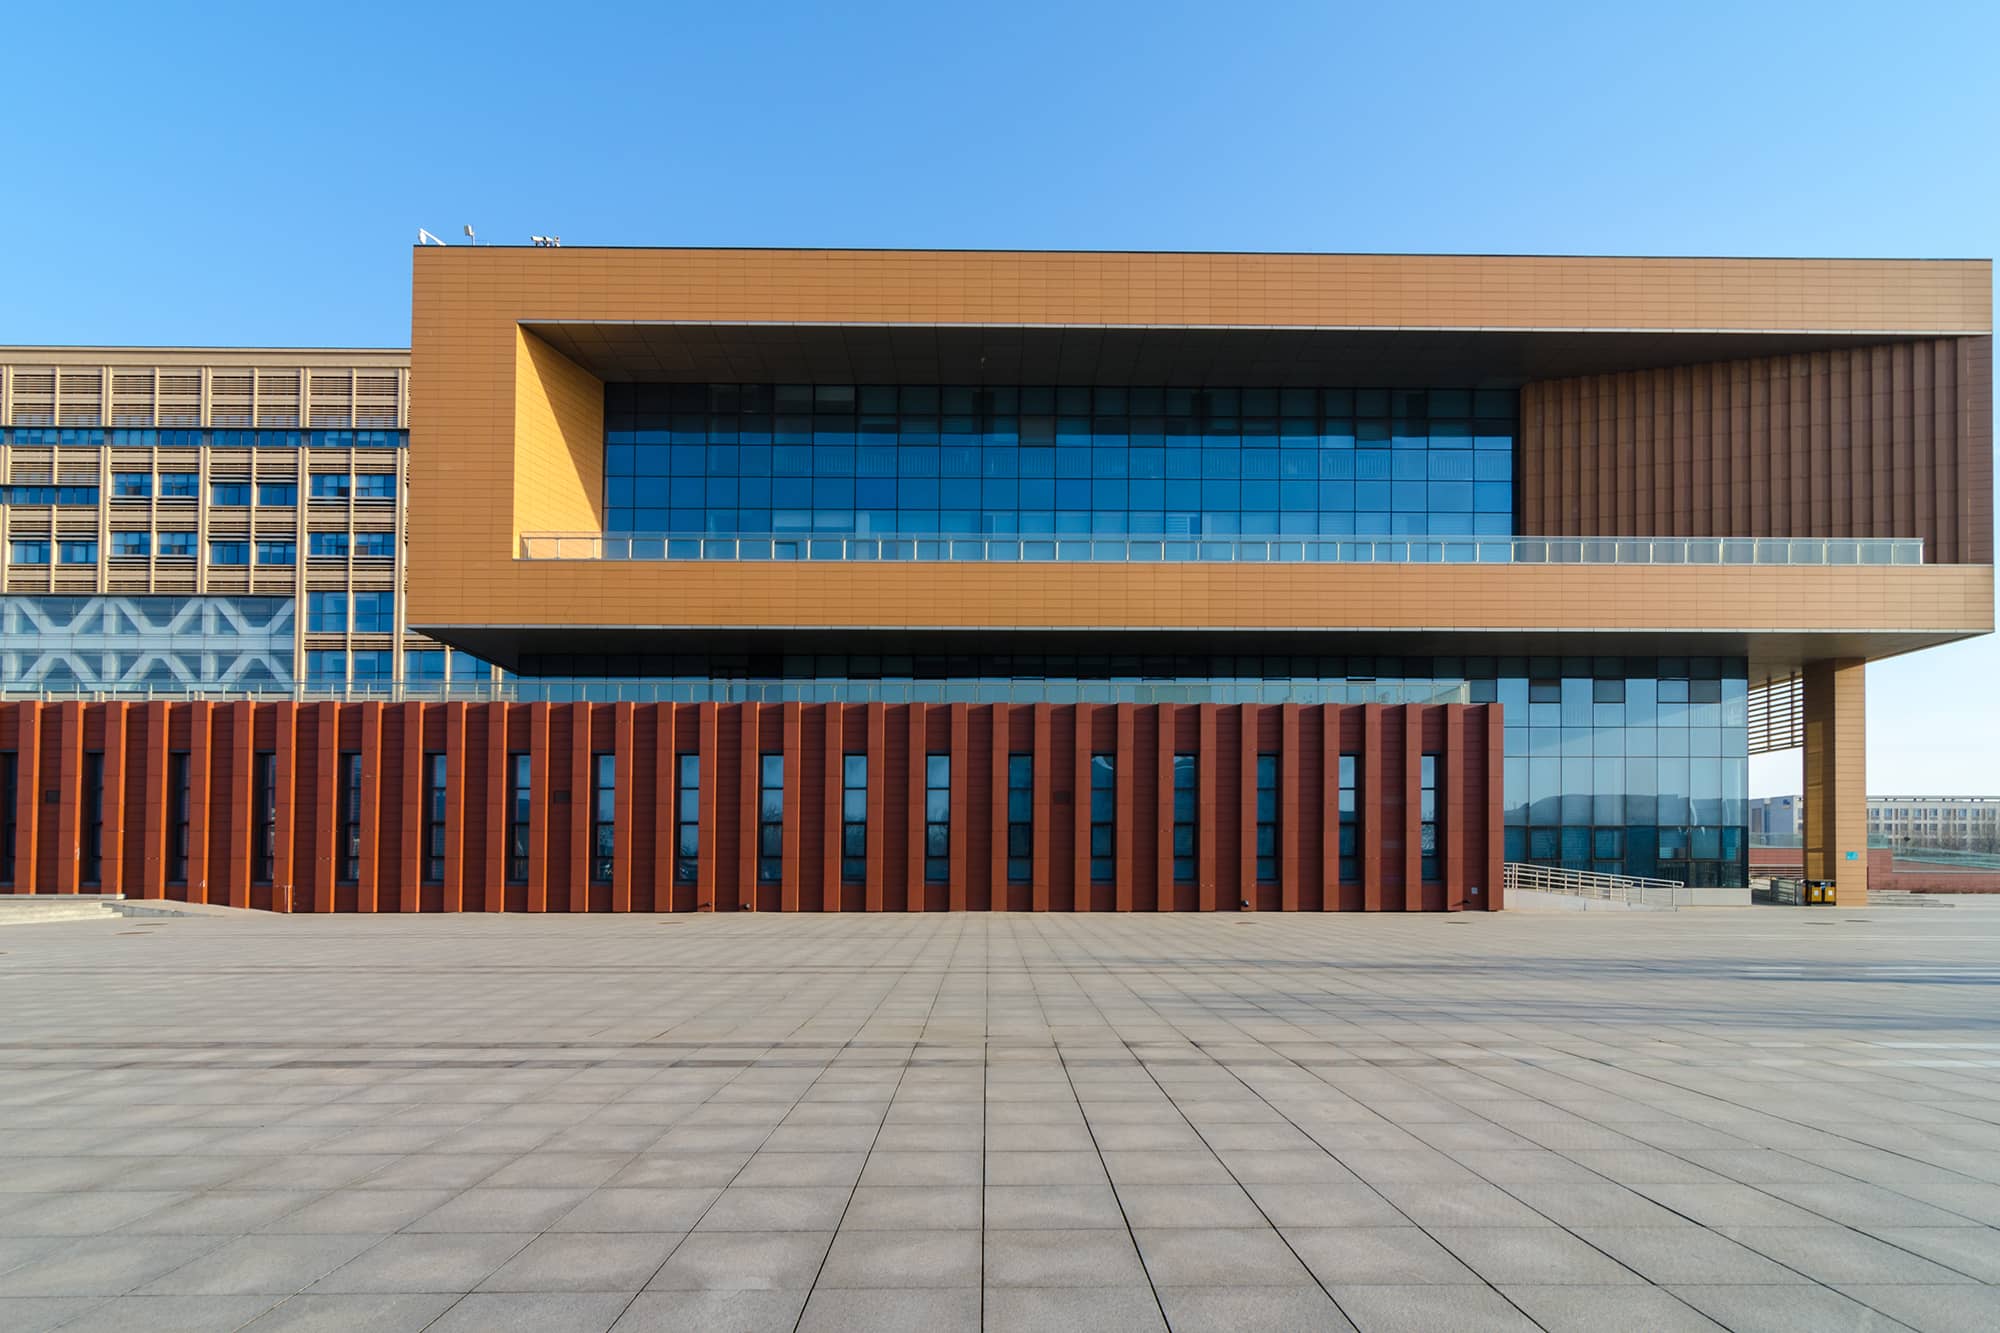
(805, 546)
(1637, 890)
(547, 689)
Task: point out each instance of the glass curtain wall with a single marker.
(918, 460)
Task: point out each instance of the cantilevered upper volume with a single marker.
(1654, 398)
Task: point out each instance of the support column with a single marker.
(1836, 773)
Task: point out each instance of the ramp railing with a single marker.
(1635, 890)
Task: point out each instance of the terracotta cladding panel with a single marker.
(477, 738)
(1889, 441)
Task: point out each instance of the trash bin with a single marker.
(1819, 893)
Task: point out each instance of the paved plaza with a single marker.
(1761, 1119)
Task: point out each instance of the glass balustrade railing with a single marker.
(550, 689)
(1252, 550)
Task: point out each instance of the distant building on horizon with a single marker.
(1954, 823)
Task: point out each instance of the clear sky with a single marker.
(254, 173)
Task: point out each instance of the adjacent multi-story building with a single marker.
(1963, 823)
(851, 580)
(177, 519)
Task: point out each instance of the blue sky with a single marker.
(232, 173)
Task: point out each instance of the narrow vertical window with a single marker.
(1267, 819)
(1187, 806)
(264, 816)
(687, 817)
(1428, 833)
(520, 796)
(603, 816)
(771, 819)
(854, 819)
(9, 793)
(1103, 818)
(349, 817)
(1020, 818)
(1350, 835)
(434, 788)
(90, 862)
(179, 799)
(937, 818)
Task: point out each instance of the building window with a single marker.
(1267, 819)
(757, 459)
(176, 546)
(79, 553)
(330, 486)
(326, 612)
(28, 552)
(434, 789)
(687, 814)
(854, 818)
(374, 546)
(1187, 808)
(131, 545)
(90, 863)
(131, 485)
(277, 553)
(374, 612)
(1428, 832)
(229, 553)
(1020, 818)
(324, 667)
(327, 545)
(9, 793)
(376, 666)
(1103, 818)
(1350, 838)
(229, 494)
(348, 815)
(180, 800)
(425, 664)
(603, 816)
(277, 493)
(520, 795)
(375, 486)
(937, 818)
(180, 485)
(771, 819)
(264, 822)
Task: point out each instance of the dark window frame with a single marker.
(687, 819)
(937, 817)
(520, 812)
(264, 816)
(770, 818)
(1103, 818)
(853, 825)
(1185, 849)
(1020, 818)
(1430, 827)
(603, 816)
(180, 815)
(347, 816)
(437, 777)
(1266, 849)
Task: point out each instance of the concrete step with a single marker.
(22, 909)
(1904, 898)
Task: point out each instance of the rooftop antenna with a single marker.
(547, 242)
(469, 237)
(425, 238)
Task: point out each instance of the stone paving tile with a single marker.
(1127, 1309)
(1063, 1121)
(894, 1310)
(584, 1261)
(1750, 1308)
(1401, 1309)
(1569, 1308)
(170, 1314)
